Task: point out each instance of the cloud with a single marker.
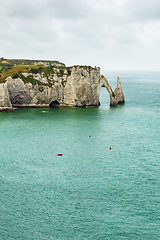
(143, 10)
(117, 33)
(68, 9)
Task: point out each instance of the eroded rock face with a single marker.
(28, 95)
(5, 103)
(83, 87)
(80, 86)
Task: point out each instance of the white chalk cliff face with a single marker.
(5, 103)
(78, 86)
(118, 92)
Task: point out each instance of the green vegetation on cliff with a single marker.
(30, 62)
(28, 71)
(15, 68)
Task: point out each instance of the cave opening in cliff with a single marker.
(54, 104)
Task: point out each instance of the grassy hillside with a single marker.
(14, 68)
(28, 62)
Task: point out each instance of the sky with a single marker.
(115, 35)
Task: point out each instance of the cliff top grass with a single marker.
(13, 67)
(29, 62)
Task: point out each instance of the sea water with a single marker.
(91, 191)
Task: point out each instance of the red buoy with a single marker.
(110, 148)
(59, 154)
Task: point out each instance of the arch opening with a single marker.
(54, 104)
(104, 96)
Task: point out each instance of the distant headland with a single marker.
(42, 83)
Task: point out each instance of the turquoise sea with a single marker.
(91, 191)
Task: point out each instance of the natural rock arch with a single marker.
(116, 96)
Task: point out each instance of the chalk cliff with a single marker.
(5, 103)
(119, 93)
(75, 86)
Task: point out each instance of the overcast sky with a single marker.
(111, 34)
